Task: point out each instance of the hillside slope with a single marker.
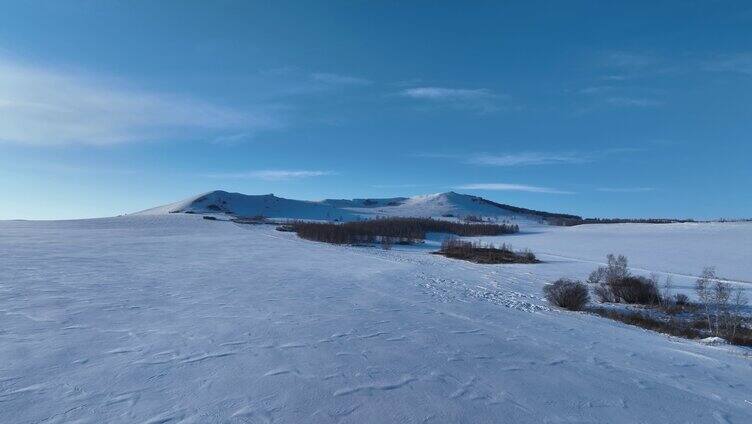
(449, 204)
(267, 205)
(441, 205)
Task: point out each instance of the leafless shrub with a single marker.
(667, 291)
(484, 253)
(722, 307)
(737, 320)
(603, 277)
(613, 283)
(635, 289)
(603, 294)
(568, 294)
(681, 299)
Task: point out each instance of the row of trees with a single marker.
(392, 230)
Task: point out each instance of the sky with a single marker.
(601, 109)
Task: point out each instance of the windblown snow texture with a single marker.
(175, 319)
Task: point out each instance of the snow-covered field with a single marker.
(171, 318)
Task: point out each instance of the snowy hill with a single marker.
(238, 204)
(448, 204)
(439, 205)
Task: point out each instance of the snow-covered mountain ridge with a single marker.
(449, 204)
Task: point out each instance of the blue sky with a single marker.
(633, 110)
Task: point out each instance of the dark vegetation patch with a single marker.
(567, 294)
(569, 222)
(614, 284)
(671, 325)
(256, 219)
(397, 230)
(547, 216)
(484, 253)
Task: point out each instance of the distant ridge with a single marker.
(448, 204)
(244, 205)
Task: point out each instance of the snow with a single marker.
(429, 205)
(714, 341)
(239, 204)
(174, 319)
(270, 206)
(680, 250)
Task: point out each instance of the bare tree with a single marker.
(702, 288)
(668, 286)
(739, 301)
(721, 296)
(604, 278)
(616, 269)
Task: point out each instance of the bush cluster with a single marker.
(568, 294)
(614, 284)
(485, 253)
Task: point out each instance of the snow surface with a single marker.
(176, 319)
(681, 249)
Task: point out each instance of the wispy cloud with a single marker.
(271, 174)
(399, 185)
(479, 99)
(440, 93)
(738, 62)
(44, 106)
(633, 102)
(337, 79)
(531, 158)
(527, 158)
(627, 59)
(511, 187)
(625, 189)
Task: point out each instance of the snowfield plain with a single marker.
(176, 319)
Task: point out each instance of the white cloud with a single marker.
(478, 100)
(50, 107)
(440, 93)
(632, 102)
(398, 185)
(511, 187)
(625, 189)
(336, 79)
(527, 158)
(532, 158)
(272, 174)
